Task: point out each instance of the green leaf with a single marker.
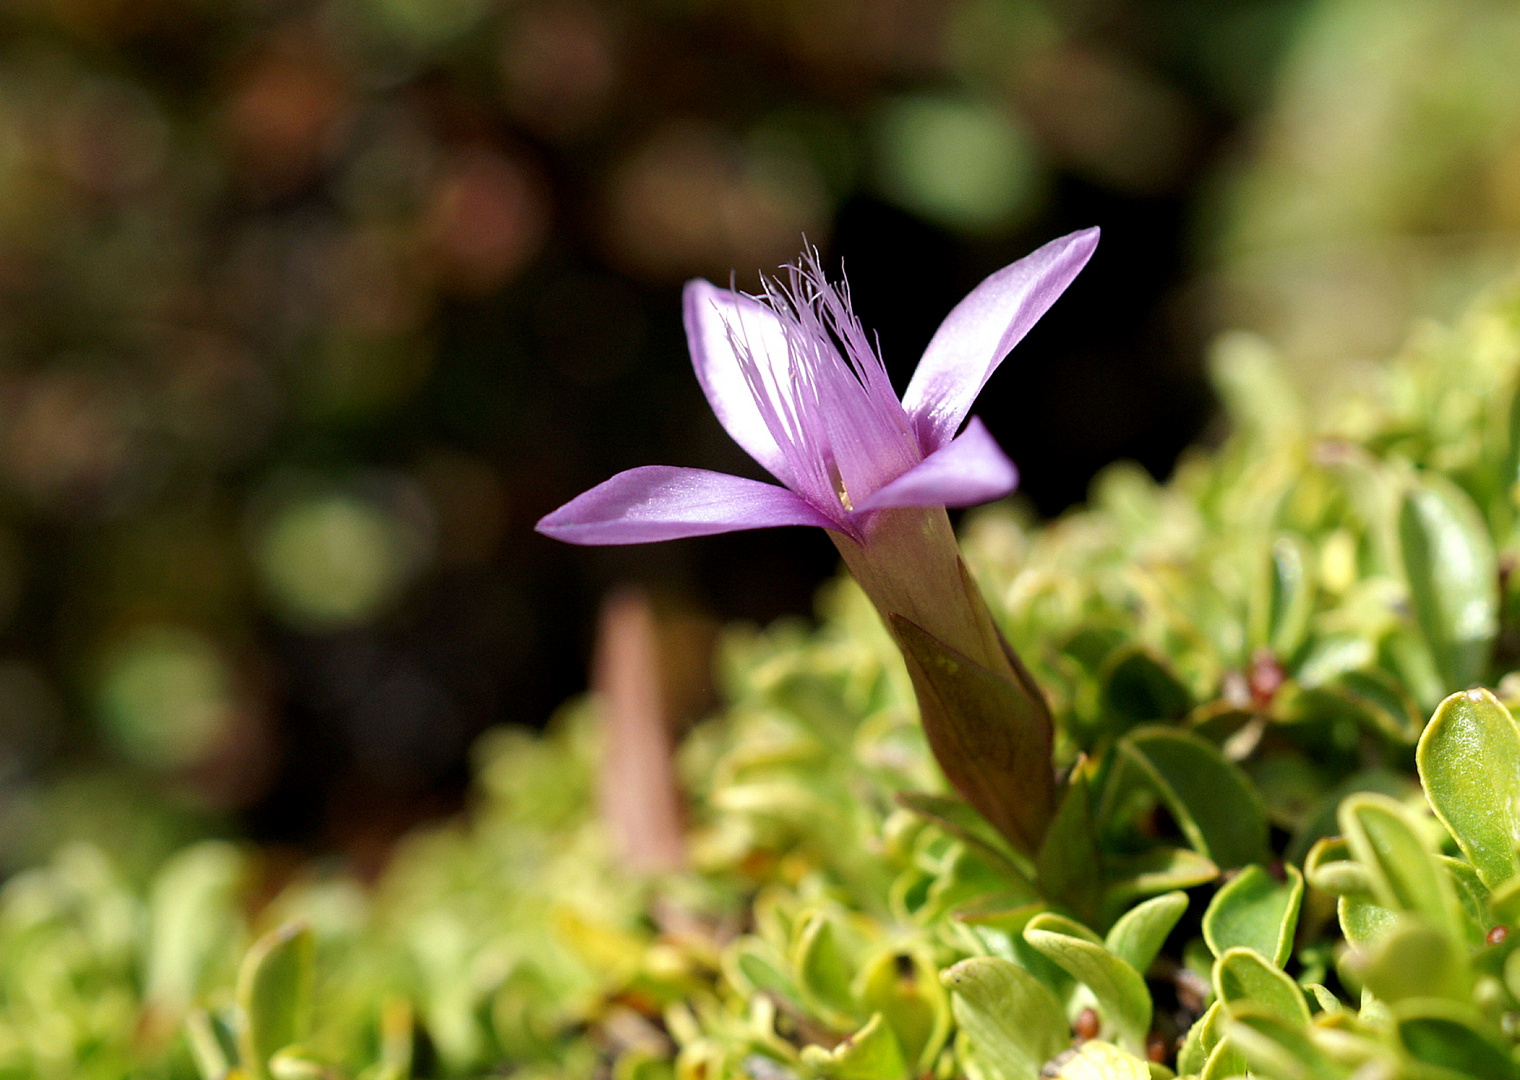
(970, 828)
(1224, 1061)
(1283, 597)
(1095, 1060)
(1472, 897)
(1454, 1037)
(1322, 821)
(1329, 867)
(1272, 1047)
(1068, 861)
(1013, 1023)
(1257, 911)
(824, 974)
(206, 1049)
(1402, 871)
(1123, 999)
(1158, 870)
(193, 919)
(274, 992)
(906, 992)
(1469, 762)
(1504, 902)
(1453, 577)
(756, 965)
(1200, 1041)
(1363, 921)
(1213, 802)
(871, 1053)
(1413, 960)
(1244, 975)
(964, 879)
(1139, 688)
(1003, 933)
(1382, 700)
(992, 736)
(1140, 932)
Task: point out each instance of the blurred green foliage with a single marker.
(301, 304)
(1264, 860)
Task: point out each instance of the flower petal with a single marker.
(660, 502)
(969, 469)
(715, 318)
(981, 329)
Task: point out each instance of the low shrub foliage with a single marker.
(1287, 845)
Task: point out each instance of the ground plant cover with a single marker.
(1285, 841)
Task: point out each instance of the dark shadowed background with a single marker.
(310, 308)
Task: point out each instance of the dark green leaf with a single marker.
(1067, 862)
(1158, 870)
(1213, 802)
(1138, 688)
(1283, 598)
(1454, 1037)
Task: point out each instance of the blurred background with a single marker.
(310, 308)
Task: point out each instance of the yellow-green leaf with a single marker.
(1469, 762)
(1256, 911)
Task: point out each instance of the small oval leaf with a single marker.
(1140, 932)
(1256, 911)
(1013, 1023)
(1469, 762)
(1452, 1036)
(1453, 577)
(1243, 975)
(1283, 598)
(1402, 870)
(1123, 998)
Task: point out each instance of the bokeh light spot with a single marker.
(165, 696)
(333, 559)
(961, 164)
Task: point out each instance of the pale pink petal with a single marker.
(661, 502)
(969, 469)
(982, 328)
(716, 319)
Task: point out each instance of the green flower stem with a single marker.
(985, 718)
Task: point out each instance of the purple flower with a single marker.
(796, 381)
